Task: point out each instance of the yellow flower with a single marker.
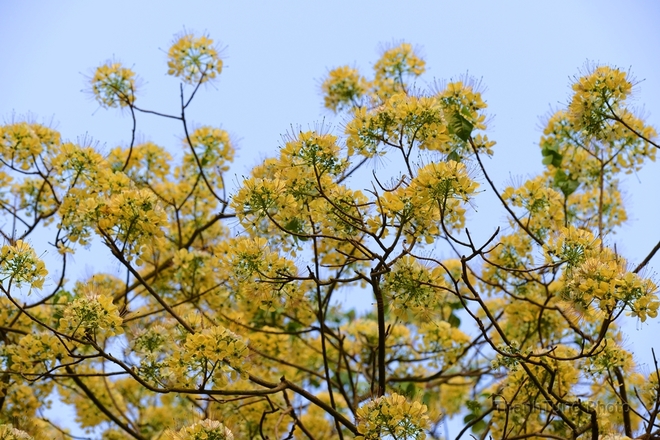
(92, 312)
(194, 59)
(212, 146)
(343, 89)
(20, 264)
(394, 65)
(113, 85)
(392, 415)
(207, 429)
(8, 432)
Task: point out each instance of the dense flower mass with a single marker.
(392, 417)
(90, 316)
(339, 289)
(205, 430)
(20, 264)
(114, 85)
(194, 59)
(395, 65)
(343, 88)
(8, 432)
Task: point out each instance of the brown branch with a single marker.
(506, 205)
(90, 394)
(324, 406)
(380, 309)
(623, 395)
(646, 260)
(625, 124)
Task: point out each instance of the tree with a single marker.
(226, 322)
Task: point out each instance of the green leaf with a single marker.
(62, 297)
(551, 155)
(474, 406)
(454, 320)
(428, 398)
(460, 126)
(295, 225)
(565, 183)
(410, 390)
(58, 314)
(453, 156)
(456, 305)
(292, 326)
(479, 426)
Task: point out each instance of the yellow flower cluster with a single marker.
(596, 95)
(82, 170)
(152, 340)
(295, 196)
(149, 164)
(343, 89)
(129, 211)
(393, 68)
(648, 387)
(584, 156)
(212, 146)
(604, 279)
(597, 275)
(260, 275)
(311, 154)
(34, 354)
(195, 270)
(21, 142)
(571, 245)
(440, 123)
(260, 199)
(462, 99)
(73, 161)
(445, 341)
(8, 432)
(153, 345)
(304, 168)
(5, 186)
(24, 398)
(436, 194)
(445, 183)
(113, 85)
(394, 416)
(92, 315)
(20, 264)
(521, 405)
(584, 169)
(131, 217)
(413, 287)
(212, 356)
(207, 429)
(194, 59)
(611, 356)
(401, 120)
(483, 144)
(542, 205)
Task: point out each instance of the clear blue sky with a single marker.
(277, 52)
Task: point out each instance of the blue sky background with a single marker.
(277, 54)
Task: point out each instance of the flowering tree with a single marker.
(226, 321)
